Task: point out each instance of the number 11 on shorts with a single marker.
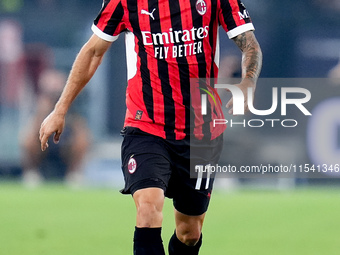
(200, 169)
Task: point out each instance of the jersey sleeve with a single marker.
(110, 21)
(234, 17)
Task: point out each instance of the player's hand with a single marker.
(53, 123)
(243, 86)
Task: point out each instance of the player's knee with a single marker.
(190, 238)
(149, 215)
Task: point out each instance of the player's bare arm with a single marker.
(251, 63)
(84, 67)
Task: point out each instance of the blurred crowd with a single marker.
(30, 86)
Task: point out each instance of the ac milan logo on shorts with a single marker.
(201, 7)
(132, 165)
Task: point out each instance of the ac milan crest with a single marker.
(132, 165)
(139, 115)
(201, 7)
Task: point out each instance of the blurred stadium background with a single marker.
(295, 215)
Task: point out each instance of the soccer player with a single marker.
(168, 42)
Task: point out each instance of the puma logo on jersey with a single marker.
(149, 13)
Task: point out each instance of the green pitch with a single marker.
(53, 220)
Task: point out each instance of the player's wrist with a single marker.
(248, 83)
(60, 109)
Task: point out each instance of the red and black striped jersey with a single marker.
(169, 43)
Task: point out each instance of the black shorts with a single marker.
(151, 161)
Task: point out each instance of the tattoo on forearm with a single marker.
(252, 55)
